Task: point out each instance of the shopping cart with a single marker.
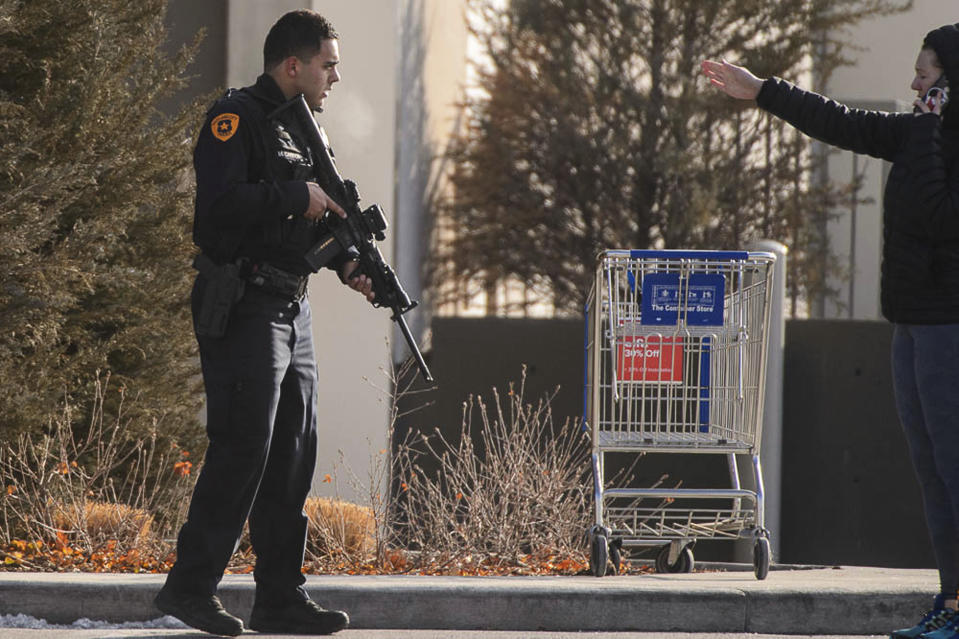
(675, 363)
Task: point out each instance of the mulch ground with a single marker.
(62, 557)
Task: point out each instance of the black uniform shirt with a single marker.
(251, 175)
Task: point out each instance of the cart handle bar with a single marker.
(728, 256)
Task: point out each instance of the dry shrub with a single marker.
(339, 528)
(62, 486)
(100, 523)
(518, 485)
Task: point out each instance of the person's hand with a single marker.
(734, 81)
(921, 106)
(361, 283)
(320, 202)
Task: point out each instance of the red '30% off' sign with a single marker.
(649, 359)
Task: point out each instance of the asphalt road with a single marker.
(18, 633)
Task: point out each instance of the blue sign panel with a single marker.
(699, 298)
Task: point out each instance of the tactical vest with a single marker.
(283, 156)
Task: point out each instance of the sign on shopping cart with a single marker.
(649, 358)
(697, 299)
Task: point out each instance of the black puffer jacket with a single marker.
(920, 265)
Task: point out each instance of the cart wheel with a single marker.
(662, 560)
(598, 555)
(761, 558)
(616, 554)
(684, 563)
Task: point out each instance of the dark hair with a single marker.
(298, 33)
(935, 55)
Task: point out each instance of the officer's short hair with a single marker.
(298, 33)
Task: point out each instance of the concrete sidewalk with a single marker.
(829, 601)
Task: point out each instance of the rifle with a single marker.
(358, 229)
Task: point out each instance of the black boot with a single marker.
(203, 612)
(302, 617)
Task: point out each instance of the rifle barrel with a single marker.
(424, 369)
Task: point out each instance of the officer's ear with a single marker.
(291, 66)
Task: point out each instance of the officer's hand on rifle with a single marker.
(360, 283)
(320, 203)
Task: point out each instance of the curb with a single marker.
(848, 600)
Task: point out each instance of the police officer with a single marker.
(257, 213)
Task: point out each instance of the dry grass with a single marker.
(339, 528)
(510, 496)
(102, 489)
(97, 523)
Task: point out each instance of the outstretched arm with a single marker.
(734, 81)
(874, 133)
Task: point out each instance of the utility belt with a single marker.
(226, 284)
(277, 281)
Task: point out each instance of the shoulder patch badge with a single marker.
(225, 125)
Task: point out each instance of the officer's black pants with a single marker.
(260, 383)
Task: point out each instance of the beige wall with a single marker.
(881, 80)
(247, 24)
(432, 69)
(350, 334)
(885, 68)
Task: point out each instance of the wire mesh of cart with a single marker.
(675, 363)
